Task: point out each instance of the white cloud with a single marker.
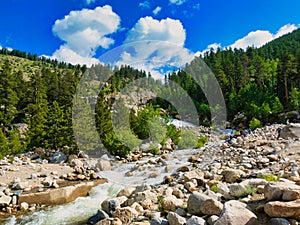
(155, 45)
(177, 2)
(288, 28)
(156, 10)
(148, 28)
(210, 47)
(84, 31)
(145, 4)
(261, 37)
(89, 1)
(67, 55)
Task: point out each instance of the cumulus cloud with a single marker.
(86, 30)
(145, 4)
(156, 46)
(177, 2)
(210, 47)
(148, 28)
(261, 37)
(156, 10)
(67, 55)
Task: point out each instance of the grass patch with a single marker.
(271, 177)
(249, 190)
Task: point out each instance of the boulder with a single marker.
(60, 195)
(126, 214)
(5, 200)
(236, 213)
(201, 204)
(110, 221)
(286, 191)
(290, 131)
(279, 221)
(103, 165)
(111, 204)
(159, 221)
(195, 220)
(171, 203)
(58, 157)
(101, 215)
(232, 175)
(175, 219)
(283, 209)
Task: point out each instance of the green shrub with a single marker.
(271, 177)
(202, 141)
(214, 188)
(254, 123)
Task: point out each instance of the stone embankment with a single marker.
(250, 180)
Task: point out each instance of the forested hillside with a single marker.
(38, 93)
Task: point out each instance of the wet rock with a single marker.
(175, 219)
(283, 209)
(236, 213)
(101, 215)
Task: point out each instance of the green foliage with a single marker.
(214, 188)
(201, 141)
(254, 123)
(271, 177)
(173, 133)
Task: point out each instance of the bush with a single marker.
(202, 141)
(254, 123)
(271, 177)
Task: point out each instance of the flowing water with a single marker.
(78, 212)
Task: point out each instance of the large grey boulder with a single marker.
(195, 220)
(200, 204)
(282, 191)
(175, 219)
(283, 209)
(236, 213)
(291, 130)
(58, 157)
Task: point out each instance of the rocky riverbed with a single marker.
(252, 179)
(249, 180)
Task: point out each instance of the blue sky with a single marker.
(79, 31)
